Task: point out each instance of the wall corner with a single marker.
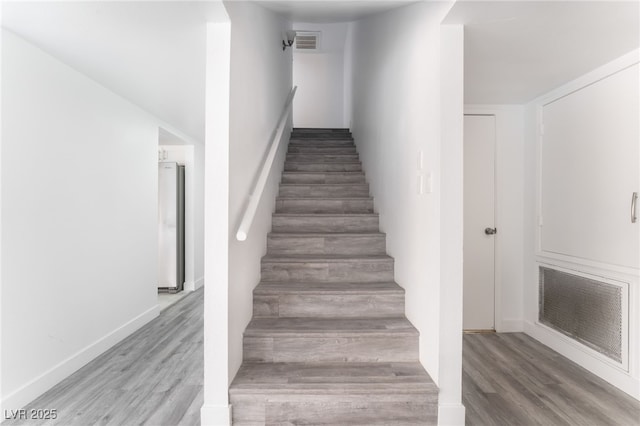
(451, 222)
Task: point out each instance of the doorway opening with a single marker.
(176, 209)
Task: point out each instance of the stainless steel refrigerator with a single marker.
(170, 227)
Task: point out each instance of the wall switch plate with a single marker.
(425, 184)
(429, 184)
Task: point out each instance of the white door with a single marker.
(479, 222)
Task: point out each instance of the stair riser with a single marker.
(322, 150)
(293, 205)
(321, 136)
(329, 305)
(326, 135)
(321, 129)
(323, 178)
(324, 158)
(322, 167)
(321, 142)
(319, 245)
(363, 348)
(398, 409)
(325, 224)
(356, 271)
(315, 130)
(340, 190)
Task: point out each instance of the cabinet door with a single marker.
(589, 171)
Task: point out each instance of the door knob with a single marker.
(490, 231)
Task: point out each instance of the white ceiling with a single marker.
(331, 11)
(516, 51)
(153, 52)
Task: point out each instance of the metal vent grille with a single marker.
(584, 309)
(307, 40)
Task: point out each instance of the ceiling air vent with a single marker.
(307, 41)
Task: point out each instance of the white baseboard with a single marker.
(198, 283)
(39, 385)
(451, 415)
(215, 415)
(510, 326)
(617, 377)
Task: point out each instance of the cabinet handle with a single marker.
(634, 201)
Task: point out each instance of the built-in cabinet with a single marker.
(587, 242)
(589, 172)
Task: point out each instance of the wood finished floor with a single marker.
(511, 379)
(154, 377)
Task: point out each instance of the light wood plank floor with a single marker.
(154, 377)
(511, 379)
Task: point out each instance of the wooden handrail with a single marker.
(256, 194)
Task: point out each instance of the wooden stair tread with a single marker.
(329, 327)
(329, 185)
(322, 142)
(325, 197)
(321, 129)
(329, 172)
(325, 234)
(274, 287)
(325, 215)
(369, 377)
(292, 156)
(325, 258)
(321, 162)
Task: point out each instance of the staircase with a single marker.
(329, 343)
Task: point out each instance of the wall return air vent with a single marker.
(307, 41)
(587, 310)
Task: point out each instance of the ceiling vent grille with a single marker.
(307, 41)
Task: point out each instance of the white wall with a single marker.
(198, 216)
(348, 77)
(2, 403)
(150, 52)
(320, 77)
(396, 115)
(79, 220)
(628, 381)
(260, 84)
(450, 408)
(509, 213)
(216, 409)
